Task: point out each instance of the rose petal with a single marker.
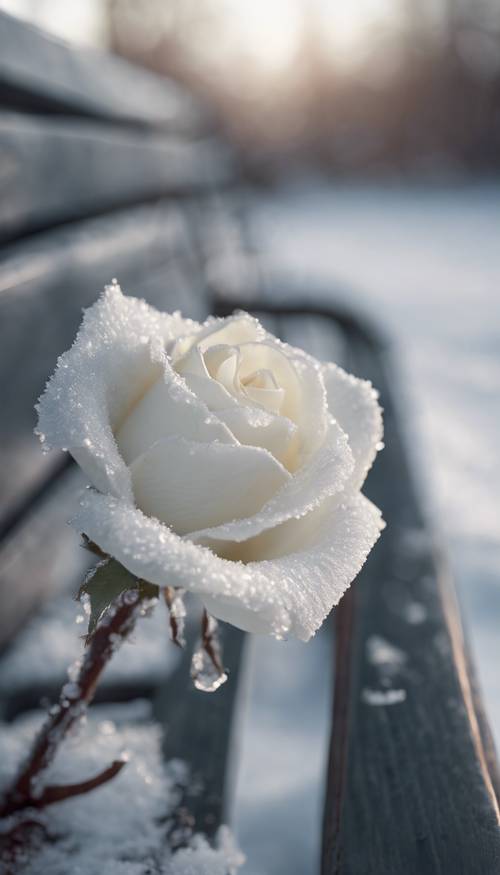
(315, 561)
(305, 390)
(168, 409)
(232, 330)
(108, 367)
(258, 428)
(354, 405)
(250, 425)
(289, 595)
(191, 485)
(324, 476)
(213, 394)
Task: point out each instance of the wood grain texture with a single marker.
(54, 170)
(45, 282)
(39, 73)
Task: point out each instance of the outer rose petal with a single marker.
(98, 380)
(288, 595)
(189, 485)
(354, 405)
(324, 476)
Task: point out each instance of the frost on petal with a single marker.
(291, 594)
(191, 485)
(312, 562)
(99, 379)
(324, 476)
(354, 405)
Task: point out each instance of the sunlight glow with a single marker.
(263, 35)
(349, 26)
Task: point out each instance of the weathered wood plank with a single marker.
(411, 787)
(38, 557)
(198, 730)
(39, 73)
(45, 282)
(60, 169)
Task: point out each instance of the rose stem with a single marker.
(114, 627)
(29, 834)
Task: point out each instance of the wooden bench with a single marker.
(108, 171)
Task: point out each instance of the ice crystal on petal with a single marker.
(261, 594)
(96, 381)
(354, 405)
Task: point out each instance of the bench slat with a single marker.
(60, 169)
(40, 555)
(41, 74)
(411, 787)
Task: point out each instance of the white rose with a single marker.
(222, 460)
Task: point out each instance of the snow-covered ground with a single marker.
(118, 829)
(425, 262)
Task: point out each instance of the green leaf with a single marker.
(105, 583)
(89, 545)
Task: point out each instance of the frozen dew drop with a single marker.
(207, 669)
(206, 677)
